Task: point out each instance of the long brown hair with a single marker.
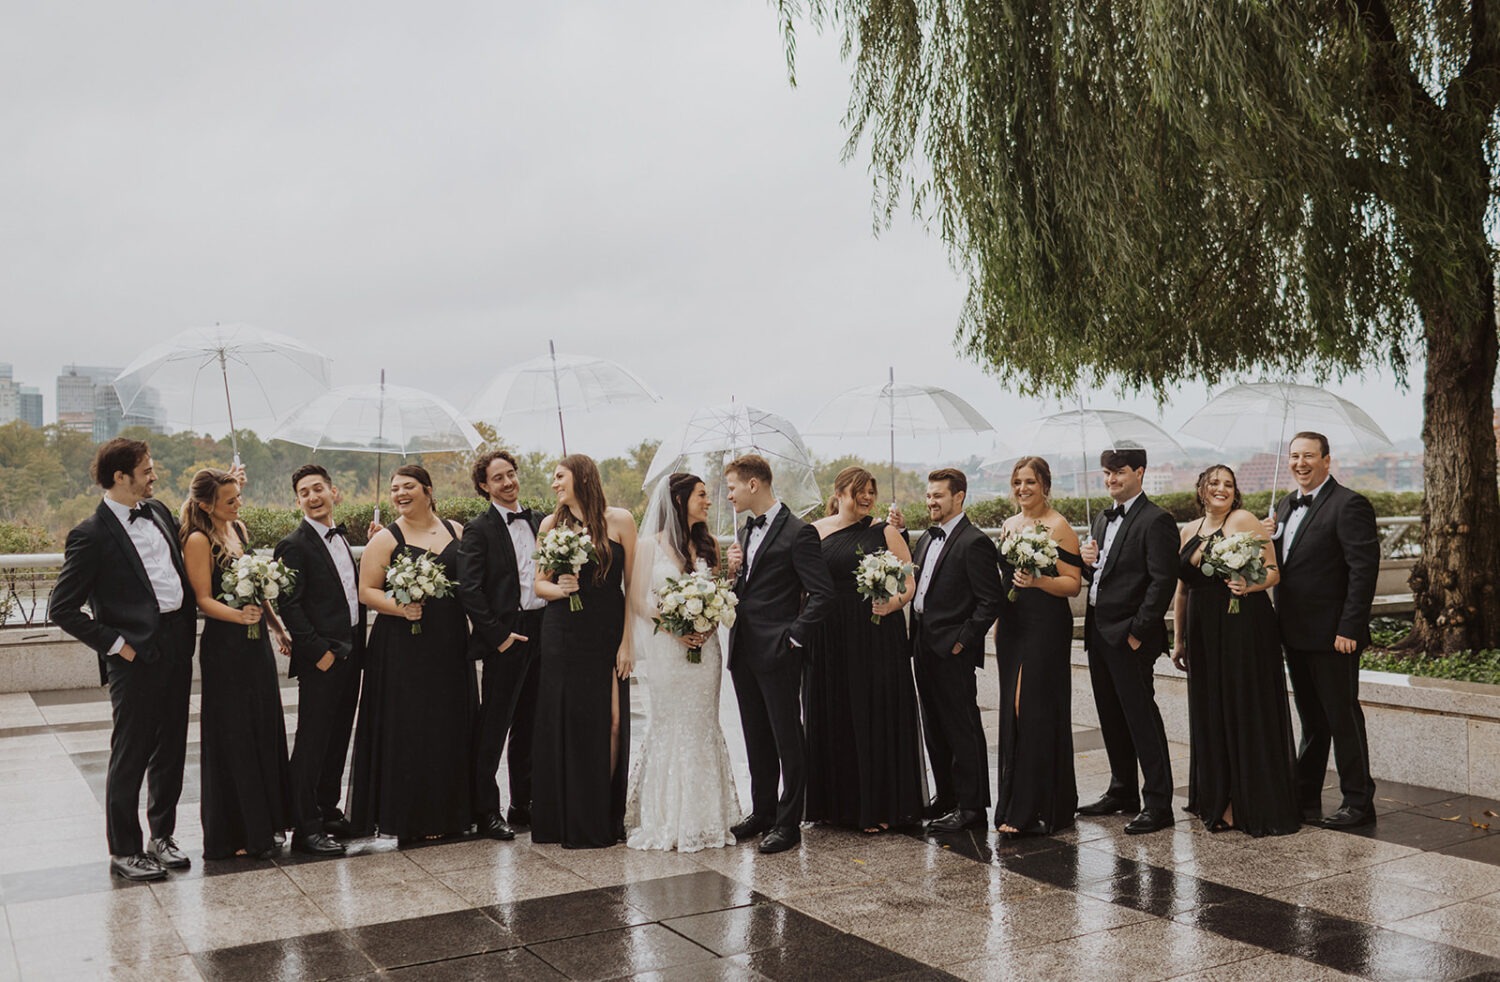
(204, 492)
(588, 492)
(854, 480)
(680, 488)
(1235, 504)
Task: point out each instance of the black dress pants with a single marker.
(507, 713)
(148, 742)
(948, 693)
(770, 701)
(1125, 695)
(326, 703)
(1325, 687)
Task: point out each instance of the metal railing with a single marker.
(26, 579)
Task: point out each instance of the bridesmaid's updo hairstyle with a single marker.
(854, 480)
(203, 494)
(419, 474)
(1039, 467)
(680, 488)
(1235, 505)
(588, 493)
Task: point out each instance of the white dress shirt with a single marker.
(1294, 520)
(929, 562)
(758, 535)
(1110, 532)
(156, 555)
(524, 542)
(343, 561)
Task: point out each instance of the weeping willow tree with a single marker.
(1154, 191)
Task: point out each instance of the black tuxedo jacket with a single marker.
(1139, 578)
(315, 610)
(963, 596)
(788, 567)
(1328, 581)
(489, 580)
(102, 568)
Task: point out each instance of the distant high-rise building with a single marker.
(87, 402)
(31, 406)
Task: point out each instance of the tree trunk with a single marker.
(1454, 584)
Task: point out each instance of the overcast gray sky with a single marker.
(437, 189)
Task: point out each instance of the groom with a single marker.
(776, 561)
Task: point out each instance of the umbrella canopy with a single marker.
(559, 383)
(379, 419)
(896, 408)
(1262, 414)
(226, 373)
(715, 435)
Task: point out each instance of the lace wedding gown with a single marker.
(682, 793)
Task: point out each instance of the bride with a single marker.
(682, 793)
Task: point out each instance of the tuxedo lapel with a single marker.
(1125, 523)
(112, 527)
(318, 546)
(1313, 509)
(774, 529)
(949, 545)
(919, 557)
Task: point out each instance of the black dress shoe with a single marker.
(1109, 805)
(1150, 820)
(749, 827)
(957, 820)
(519, 817)
(937, 809)
(318, 844)
(492, 826)
(139, 868)
(338, 826)
(780, 839)
(1349, 818)
(167, 854)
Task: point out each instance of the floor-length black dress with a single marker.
(864, 735)
(246, 781)
(1239, 723)
(1033, 645)
(575, 800)
(411, 775)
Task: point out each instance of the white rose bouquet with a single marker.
(565, 550)
(881, 576)
(411, 579)
(1239, 556)
(254, 581)
(1031, 550)
(692, 604)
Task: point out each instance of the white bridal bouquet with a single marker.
(1236, 557)
(692, 604)
(411, 579)
(1031, 550)
(881, 576)
(254, 581)
(565, 550)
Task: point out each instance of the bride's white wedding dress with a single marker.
(682, 793)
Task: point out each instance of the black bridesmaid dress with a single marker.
(1033, 644)
(1239, 723)
(864, 742)
(575, 800)
(416, 719)
(246, 781)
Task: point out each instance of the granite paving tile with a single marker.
(1393, 956)
(566, 915)
(513, 963)
(845, 958)
(688, 893)
(205, 929)
(1466, 924)
(741, 929)
(501, 883)
(626, 951)
(70, 948)
(429, 939)
(377, 902)
(1365, 898)
(327, 955)
(1435, 872)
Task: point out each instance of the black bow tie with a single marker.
(1301, 501)
(756, 523)
(937, 533)
(511, 517)
(339, 529)
(1110, 514)
(140, 511)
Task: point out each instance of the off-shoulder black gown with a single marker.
(1033, 645)
(575, 800)
(1239, 724)
(245, 776)
(411, 775)
(864, 736)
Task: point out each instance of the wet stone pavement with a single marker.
(1417, 897)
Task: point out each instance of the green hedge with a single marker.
(16, 537)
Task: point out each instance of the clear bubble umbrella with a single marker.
(1092, 431)
(1262, 414)
(379, 419)
(715, 435)
(230, 373)
(905, 409)
(559, 383)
